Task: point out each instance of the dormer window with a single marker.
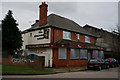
(87, 39)
(66, 35)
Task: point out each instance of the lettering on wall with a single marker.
(42, 34)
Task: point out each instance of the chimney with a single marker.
(43, 14)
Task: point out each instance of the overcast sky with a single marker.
(99, 14)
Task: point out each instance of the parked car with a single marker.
(97, 64)
(112, 62)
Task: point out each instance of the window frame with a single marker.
(85, 58)
(66, 36)
(59, 52)
(74, 57)
(87, 39)
(78, 36)
(95, 53)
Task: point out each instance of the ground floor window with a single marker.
(83, 54)
(101, 54)
(95, 54)
(62, 53)
(74, 53)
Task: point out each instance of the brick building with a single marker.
(108, 40)
(63, 42)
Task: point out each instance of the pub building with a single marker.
(61, 41)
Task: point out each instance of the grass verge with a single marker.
(6, 69)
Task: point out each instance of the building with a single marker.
(108, 40)
(63, 42)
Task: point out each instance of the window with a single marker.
(66, 35)
(101, 54)
(83, 54)
(30, 34)
(78, 36)
(95, 54)
(74, 53)
(62, 53)
(87, 39)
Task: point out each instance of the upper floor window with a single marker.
(66, 35)
(87, 39)
(30, 34)
(78, 36)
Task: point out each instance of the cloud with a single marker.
(100, 14)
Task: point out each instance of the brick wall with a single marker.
(33, 63)
(67, 63)
(58, 34)
(92, 40)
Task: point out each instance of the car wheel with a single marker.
(118, 65)
(99, 68)
(108, 66)
(113, 66)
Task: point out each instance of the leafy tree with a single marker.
(11, 35)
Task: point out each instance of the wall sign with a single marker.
(42, 34)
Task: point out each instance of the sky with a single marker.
(98, 14)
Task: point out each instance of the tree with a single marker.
(11, 35)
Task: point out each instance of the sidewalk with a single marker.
(64, 70)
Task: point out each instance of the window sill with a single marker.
(61, 59)
(83, 59)
(74, 59)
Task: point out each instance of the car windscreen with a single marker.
(93, 61)
(107, 60)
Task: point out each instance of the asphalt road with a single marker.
(105, 73)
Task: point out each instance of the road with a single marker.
(105, 73)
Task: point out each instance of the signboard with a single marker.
(42, 34)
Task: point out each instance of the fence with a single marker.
(24, 61)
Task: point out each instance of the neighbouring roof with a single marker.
(57, 21)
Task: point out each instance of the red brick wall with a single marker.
(43, 14)
(58, 34)
(82, 38)
(67, 63)
(92, 40)
(74, 36)
(37, 64)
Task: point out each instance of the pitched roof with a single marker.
(54, 20)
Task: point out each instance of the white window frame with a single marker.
(74, 54)
(61, 53)
(66, 35)
(83, 55)
(94, 54)
(87, 39)
(78, 36)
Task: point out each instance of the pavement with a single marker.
(105, 73)
(64, 70)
